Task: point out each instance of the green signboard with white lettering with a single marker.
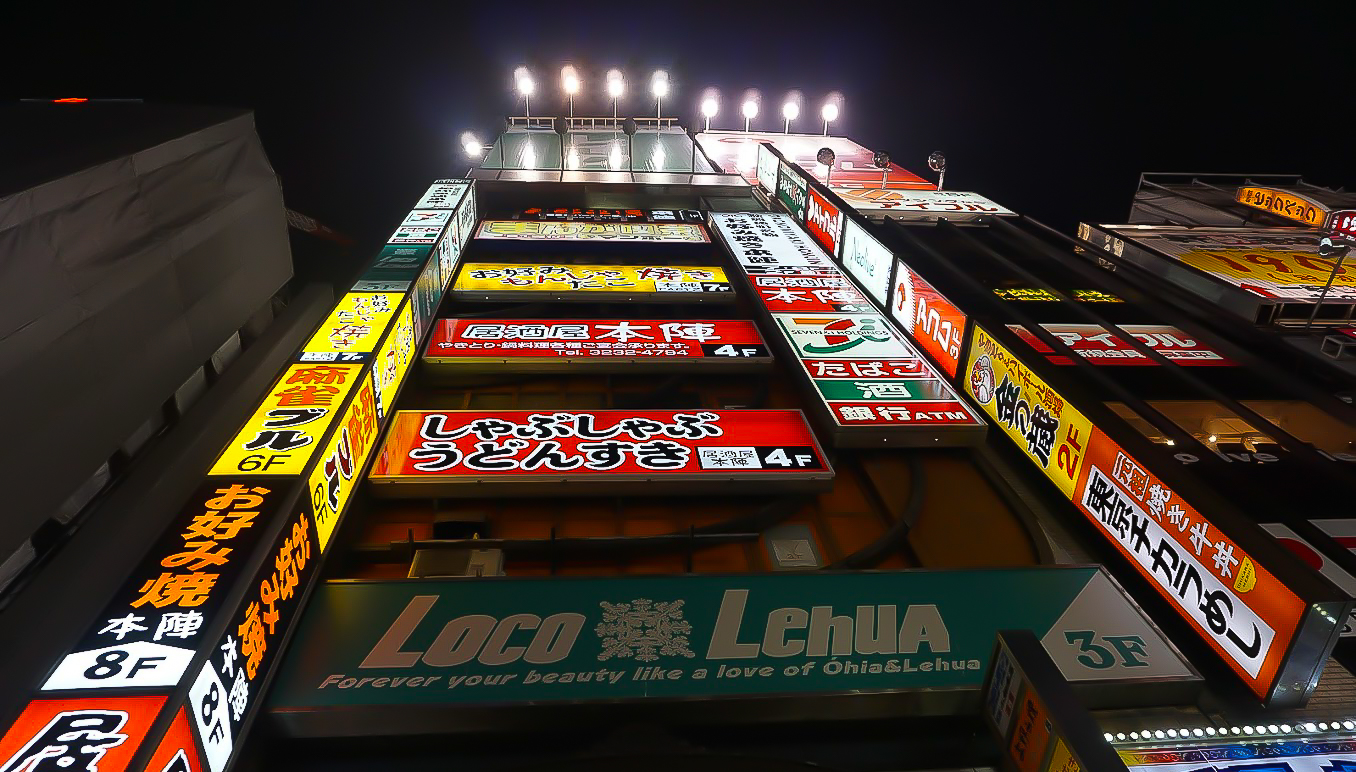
(475, 641)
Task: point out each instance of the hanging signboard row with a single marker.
(461, 346)
(954, 205)
(872, 385)
(528, 282)
(1101, 347)
(592, 232)
(201, 618)
(1232, 602)
(1307, 755)
(576, 214)
(478, 453)
(399, 654)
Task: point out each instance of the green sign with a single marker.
(791, 191)
(879, 389)
(511, 640)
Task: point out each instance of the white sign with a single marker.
(135, 663)
(443, 194)
(427, 217)
(868, 261)
(207, 700)
(920, 204)
(760, 239)
(767, 169)
(1316, 559)
(842, 336)
(416, 234)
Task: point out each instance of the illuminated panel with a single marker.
(791, 191)
(1342, 223)
(1283, 203)
(678, 283)
(474, 446)
(176, 752)
(287, 427)
(574, 342)
(393, 360)
(920, 204)
(807, 290)
(767, 169)
(147, 635)
(1308, 754)
(100, 734)
(353, 328)
(929, 319)
(625, 233)
(228, 686)
(1101, 347)
(824, 221)
(868, 261)
(341, 462)
(1235, 605)
(853, 166)
(576, 214)
(443, 194)
(1045, 296)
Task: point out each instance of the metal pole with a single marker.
(746, 124)
(571, 105)
(787, 129)
(1335, 269)
(826, 128)
(658, 111)
(527, 108)
(941, 177)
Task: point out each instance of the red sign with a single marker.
(824, 221)
(827, 292)
(592, 339)
(868, 368)
(93, 734)
(1101, 347)
(736, 152)
(932, 321)
(601, 444)
(176, 753)
(1342, 223)
(1246, 615)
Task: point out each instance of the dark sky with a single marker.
(1053, 115)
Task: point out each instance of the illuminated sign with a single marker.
(229, 685)
(1283, 203)
(1319, 562)
(443, 194)
(393, 361)
(1282, 264)
(342, 460)
(824, 221)
(147, 635)
(791, 191)
(427, 217)
(1342, 223)
(656, 637)
(919, 204)
(553, 343)
(575, 214)
(868, 376)
(1046, 296)
(625, 233)
(176, 752)
(1051, 432)
(465, 447)
(416, 234)
(578, 282)
(285, 429)
(1101, 347)
(735, 152)
(867, 260)
(352, 329)
(1235, 605)
(767, 168)
(94, 734)
(449, 251)
(768, 240)
(1281, 755)
(823, 292)
(932, 321)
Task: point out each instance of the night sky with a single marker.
(1053, 115)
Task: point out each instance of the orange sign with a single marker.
(1031, 734)
(176, 753)
(1283, 203)
(98, 734)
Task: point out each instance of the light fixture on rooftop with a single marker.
(523, 80)
(659, 86)
(937, 163)
(471, 145)
(569, 80)
(616, 86)
(829, 112)
(750, 110)
(709, 109)
(790, 111)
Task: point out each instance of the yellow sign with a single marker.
(1283, 203)
(289, 423)
(393, 361)
(353, 328)
(1027, 293)
(1284, 273)
(621, 232)
(1062, 760)
(337, 470)
(514, 277)
(1047, 428)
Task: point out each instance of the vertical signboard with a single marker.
(767, 168)
(791, 191)
(1234, 604)
(824, 221)
(868, 261)
(932, 321)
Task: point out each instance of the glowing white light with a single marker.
(1172, 733)
(1285, 727)
(1273, 728)
(1120, 735)
(569, 80)
(526, 86)
(710, 107)
(1212, 438)
(1198, 732)
(470, 144)
(790, 111)
(1134, 735)
(1158, 734)
(659, 85)
(572, 159)
(1349, 724)
(1108, 736)
(1172, 442)
(529, 157)
(614, 157)
(1210, 730)
(750, 109)
(829, 112)
(615, 87)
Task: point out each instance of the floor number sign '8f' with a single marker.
(207, 699)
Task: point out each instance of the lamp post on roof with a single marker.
(569, 80)
(790, 111)
(937, 163)
(750, 112)
(709, 109)
(616, 86)
(523, 79)
(659, 86)
(826, 156)
(881, 160)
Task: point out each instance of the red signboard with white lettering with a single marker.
(469, 446)
(551, 343)
(824, 221)
(1342, 223)
(932, 321)
(1101, 347)
(829, 293)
